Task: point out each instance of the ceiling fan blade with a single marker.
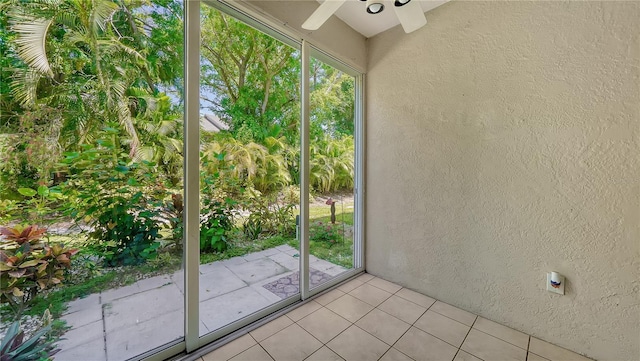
(411, 16)
(322, 13)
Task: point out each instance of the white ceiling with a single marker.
(354, 14)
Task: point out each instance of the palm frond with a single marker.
(31, 41)
(24, 86)
(101, 13)
(124, 117)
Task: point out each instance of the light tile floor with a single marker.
(369, 319)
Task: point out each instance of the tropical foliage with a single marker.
(13, 346)
(91, 132)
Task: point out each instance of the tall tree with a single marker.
(251, 80)
(332, 107)
(89, 62)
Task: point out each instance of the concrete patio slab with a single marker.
(93, 350)
(219, 282)
(221, 311)
(178, 279)
(210, 267)
(257, 255)
(137, 338)
(84, 317)
(153, 282)
(121, 323)
(232, 261)
(114, 294)
(83, 303)
(333, 271)
(141, 307)
(259, 286)
(257, 270)
(287, 261)
(327, 267)
(82, 335)
(285, 248)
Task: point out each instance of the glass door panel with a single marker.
(93, 173)
(332, 172)
(249, 117)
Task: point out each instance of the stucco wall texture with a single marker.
(503, 142)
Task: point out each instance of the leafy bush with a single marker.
(29, 265)
(13, 347)
(216, 220)
(115, 196)
(252, 226)
(38, 204)
(172, 213)
(126, 233)
(273, 216)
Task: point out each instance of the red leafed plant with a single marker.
(28, 265)
(22, 235)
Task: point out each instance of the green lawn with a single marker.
(341, 251)
(323, 213)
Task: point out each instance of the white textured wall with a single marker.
(503, 142)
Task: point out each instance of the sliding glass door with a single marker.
(272, 173)
(331, 172)
(249, 186)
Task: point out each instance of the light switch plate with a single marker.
(550, 288)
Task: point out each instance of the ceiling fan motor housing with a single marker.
(374, 6)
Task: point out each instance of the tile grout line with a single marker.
(465, 338)
(405, 332)
(505, 341)
(234, 355)
(264, 349)
(351, 323)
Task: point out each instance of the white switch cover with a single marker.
(550, 288)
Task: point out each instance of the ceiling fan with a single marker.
(409, 12)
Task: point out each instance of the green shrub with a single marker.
(125, 233)
(274, 216)
(216, 221)
(120, 200)
(172, 213)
